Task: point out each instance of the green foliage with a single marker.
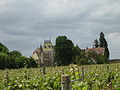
(3, 48)
(32, 63)
(15, 53)
(76, 52)
(103, 43)
(96, 43)
(66, 53)
(63, 51)
(96, 77)
(21, 62)
(90, 57)
(25, 62)
(82, 54)
(14, 59)
(81, 61)
(101, 59)
(91, 54)
(4, 60)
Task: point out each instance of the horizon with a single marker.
(24, 24)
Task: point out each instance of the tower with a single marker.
(44, 55)
(48, 53)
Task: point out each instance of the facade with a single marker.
(44, 56)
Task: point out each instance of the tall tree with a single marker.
(96, 43)
(103, 43)
(63, 51)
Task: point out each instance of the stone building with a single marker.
(44, 55)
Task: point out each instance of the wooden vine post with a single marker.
(65, 81)
(44, 70)
(82, 73)
(108, 68)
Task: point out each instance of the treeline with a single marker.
(14, 59)
(67, 53)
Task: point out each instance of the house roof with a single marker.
(38, 51)
(99, 51)
(47, 41)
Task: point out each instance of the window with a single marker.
(44, 46)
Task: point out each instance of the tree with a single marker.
(3, 48)
(91, 54)
(6, 61)
(25, 62)
(3, 59)
(103, 43)
(81, 61)
(15, 53)
(76, 52)
(96, 43)
(14, 59)
(12, 63)
(101, 59)
(63, 51)
(32, 63)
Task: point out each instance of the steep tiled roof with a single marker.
(38, 51)
(99, 51)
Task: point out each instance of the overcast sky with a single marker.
(25, 23)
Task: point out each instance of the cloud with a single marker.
(114, 39)
(25, 23)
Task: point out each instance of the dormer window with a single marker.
(44, 46)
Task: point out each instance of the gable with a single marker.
(35, 56)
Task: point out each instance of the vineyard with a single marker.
(89, 77)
